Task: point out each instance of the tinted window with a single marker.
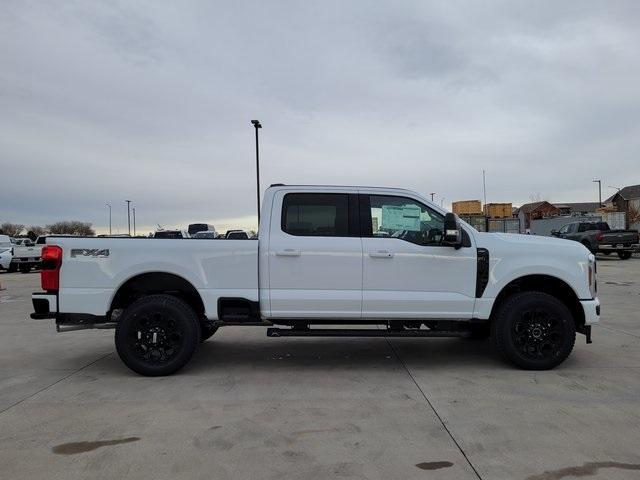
(316, 214)
(406, 219)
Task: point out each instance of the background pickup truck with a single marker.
(328, 261)
(27, 255)
(599, 238)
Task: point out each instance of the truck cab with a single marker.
(329, 261)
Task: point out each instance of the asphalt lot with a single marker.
(252, 407)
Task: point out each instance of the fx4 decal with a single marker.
(90, 252)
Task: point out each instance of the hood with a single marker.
(515, 240)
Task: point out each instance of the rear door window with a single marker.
(316, 214)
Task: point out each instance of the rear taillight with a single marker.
(51, 263)
(599, 236)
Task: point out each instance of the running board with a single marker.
(353, 332)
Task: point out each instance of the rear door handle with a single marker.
(381, 254)
(288, 252)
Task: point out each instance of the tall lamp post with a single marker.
(109, 205)
(256, 125)
(128, 216)
(134, 221)
(432, 194)
(599, 182)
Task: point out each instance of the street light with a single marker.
(134, 221)
(108, 205)
(432, 194)
(599, 182)
(128, 216)
(256, 125)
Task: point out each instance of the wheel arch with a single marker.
(549, 284)
(155, 282)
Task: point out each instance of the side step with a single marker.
(361, 332)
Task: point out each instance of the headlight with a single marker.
(593, 273)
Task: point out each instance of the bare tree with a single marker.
(36, 230)
(11, 229)
(72, 227)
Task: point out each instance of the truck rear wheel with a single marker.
(624, 255)
(25, 268)
(157, 335)
(534, 330)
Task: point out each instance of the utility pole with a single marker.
(599, 182)
(108, 205)
(257, 125)
(134, 221)
(432, 194)
(128, 216)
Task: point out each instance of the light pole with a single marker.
(599, 182)
(128, 216)
(432, 194)
(109, 205)
(441, 201)
(256, 124)
(484, 188)
(134, 221)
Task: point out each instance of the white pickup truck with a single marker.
(26, 255)
(329, 261)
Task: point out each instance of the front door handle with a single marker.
(381, 254)
(288, 252)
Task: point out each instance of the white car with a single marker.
(6, 252)
(320, 261)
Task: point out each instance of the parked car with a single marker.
(599, 238)
(236, 235)
(171, 234)
(6, 252)
(194, 228)
(205, 234)
(319, 262)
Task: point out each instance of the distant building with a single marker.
(534, 211)
(582, 208)
(627, 200)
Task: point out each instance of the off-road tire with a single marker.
(625, 255)
(177, 335)
(538, 344)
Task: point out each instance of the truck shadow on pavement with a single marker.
(322, 353)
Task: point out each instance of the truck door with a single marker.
(407, 272)
(315, 256)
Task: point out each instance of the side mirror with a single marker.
(555, 233)
(452, 231)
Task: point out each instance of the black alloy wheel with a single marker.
(534, 330)
(157, 335)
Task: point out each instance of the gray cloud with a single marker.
(105, 101)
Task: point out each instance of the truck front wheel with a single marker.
(534, 330)
(157, 335)
(624, 255)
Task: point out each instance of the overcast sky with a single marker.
(151, 101)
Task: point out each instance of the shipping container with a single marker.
(467, 207)
(479, 222)
(498, 210)
(504, 225)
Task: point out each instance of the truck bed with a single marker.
(94, 268)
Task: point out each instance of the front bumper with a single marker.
(591, 311)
